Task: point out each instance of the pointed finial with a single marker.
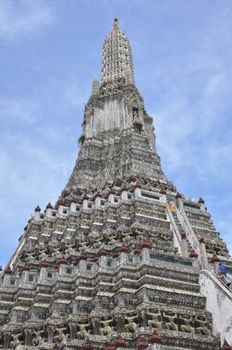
(116, 26)
(201, 201)
(37, 208)
(49, 206)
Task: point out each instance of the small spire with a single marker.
(117, 65)
(116, 26)
(49, 206)
(201, 201)
(95, 87)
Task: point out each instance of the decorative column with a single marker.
(194, 256)
(50, 330)
(48, 210)
(73, 206)
(25, 273)
(124, 195)
(95, 323)
(184, 245)
(146, 251)
(98, 201)
(43, 270)
(111, 196)
(72, 327)
(119, 318)
(202, 204)
(95, 87)
(85, 203)
(37, 213)
(203, 254)
(137, 192)
(215, 261)
(143, 315)
(179, 200)
(6, 340)
(7, 276)
(28, 336)
(163, 197)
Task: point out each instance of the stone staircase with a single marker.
(182, 232)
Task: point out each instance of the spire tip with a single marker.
(116, 24)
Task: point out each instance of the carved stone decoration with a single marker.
(115, 262)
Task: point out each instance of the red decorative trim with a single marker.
(75, 201)
(43, 263)
(82, 257)
(102, 252)
(146, 244)
(26, 268)
(155, 338)
(8, 271)
(124, 248)
(215, 258)
(120, 343)
(142, 343)
(88, 346)
(60, 202)
(193, 254)
(115, 254)
(62, 261)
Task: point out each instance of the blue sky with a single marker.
(50, 51)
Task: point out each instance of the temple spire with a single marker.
(117, 64)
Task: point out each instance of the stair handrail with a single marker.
(174, 225)
(188, 229)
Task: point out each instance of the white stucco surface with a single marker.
(219, 303)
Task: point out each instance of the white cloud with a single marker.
(23, 16)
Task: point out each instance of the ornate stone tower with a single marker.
(116, 262)
(117, 139)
